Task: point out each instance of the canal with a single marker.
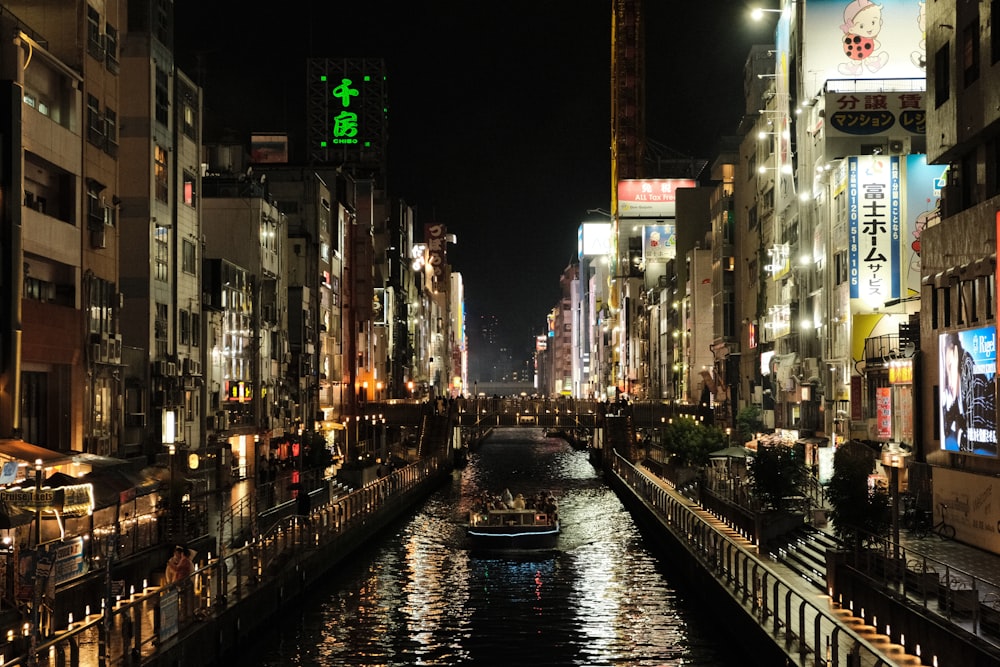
(417, 596)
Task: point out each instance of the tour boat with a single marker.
(503, 529)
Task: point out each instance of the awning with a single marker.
(118, 485)
(25, 451)
(819, 441)
(12, 517)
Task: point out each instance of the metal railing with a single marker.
(130, 627)
(794, 622)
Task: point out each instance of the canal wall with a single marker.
(688, 575)
(216, 639)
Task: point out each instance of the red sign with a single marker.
(883, 410)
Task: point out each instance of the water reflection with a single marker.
(420, 597)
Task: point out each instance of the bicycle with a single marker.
(944, 529)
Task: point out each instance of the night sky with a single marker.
(499, 113)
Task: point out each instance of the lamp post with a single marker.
(894, 458)
(38, 581)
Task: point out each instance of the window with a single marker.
(161, 330)
(195, 329)
(188, 257)
(970, 52)
(942, 81)
(95, 122)
(111, 132)
(190, 189)
(111, 48)
(96, 216)
(162, 253)
(162, 92)
(160, 172)
(95, 45)
(185, 326)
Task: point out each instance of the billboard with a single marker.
(967, 391)
(873, 208)
(658, 242)
(594, 239)
(862, 40)
(861, 114)
(269, 148)
(650, 198)
(922, 208)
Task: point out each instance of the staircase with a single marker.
(803, 550)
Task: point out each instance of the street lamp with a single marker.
(757, 13)
(894, 458)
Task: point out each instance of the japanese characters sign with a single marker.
(873, 189)
(864, 114)
(658, 242)
(650, 198)
(437, 245)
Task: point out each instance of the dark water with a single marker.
(418, 596)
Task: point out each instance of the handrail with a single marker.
(793, 619)
(131, 628)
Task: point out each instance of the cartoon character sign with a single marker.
(862, 24)
(919, 57)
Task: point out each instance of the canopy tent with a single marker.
(734, 452)
(12, 516)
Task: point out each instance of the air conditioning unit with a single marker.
(810, 368)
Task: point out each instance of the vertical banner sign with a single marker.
(883, 403)
(967, 386)
(874, 219)
(436, 248)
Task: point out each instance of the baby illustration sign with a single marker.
(862, 24)
(862, 39)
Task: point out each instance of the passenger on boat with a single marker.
(508, 499)
(518, 502)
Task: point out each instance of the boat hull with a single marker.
(514, 538)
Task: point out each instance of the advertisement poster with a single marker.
(968, 364)
(863, 40)
(658, 243)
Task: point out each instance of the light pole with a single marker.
(37, 602)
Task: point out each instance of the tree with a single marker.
(776, 473)
(689, 443)
(857, 509)
(749, 420)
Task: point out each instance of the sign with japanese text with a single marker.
(883, 412)
(658, 242)
(650, 198)
(873, 202)
(967, 366)
(437, 249)
(347, 109)
(870, 113)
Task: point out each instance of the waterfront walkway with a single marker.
(812, 628)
